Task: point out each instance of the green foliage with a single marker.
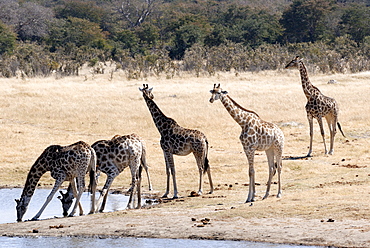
(7, 39)
(355, 22)
(148, 37)
(76, 31)
(82, 10)
(304, 21)
(188, 31)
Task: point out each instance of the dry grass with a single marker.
(43, 111)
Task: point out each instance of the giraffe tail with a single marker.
(206, 161)
(340, 129)
(92, 172)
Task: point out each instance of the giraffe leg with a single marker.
(74, 190)
(278, 159)
(81, 189)
(252, 189)
(319, 120)
(57, 184)
(139, 187)
(332, 124)
(210, 180)
(103, 195)
(279, 167)
(200, 163)
(170, 170)
(134, 168)
(272, 170)
(310, 122)
(145, 166)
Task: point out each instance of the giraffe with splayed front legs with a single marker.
(65, 163)
(256, 135)
(318, 106)
(113, 156)
(176, 140)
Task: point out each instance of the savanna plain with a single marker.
(326, 198)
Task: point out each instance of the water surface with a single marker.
(54, 209)
(67, 242)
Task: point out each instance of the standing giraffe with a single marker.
(113, 156)
(256, 135)
(179, 141)
(65, 163)
(317, 106)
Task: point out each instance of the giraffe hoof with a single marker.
(247, 201)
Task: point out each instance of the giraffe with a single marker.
(113, 156)
(177, 140)
(65, 163)
(256, 135)
(317, 106)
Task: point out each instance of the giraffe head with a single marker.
(21, 208)
(67, 200)
(147, 91)
(216, 93)
(294, 63)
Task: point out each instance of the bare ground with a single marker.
(325, 198)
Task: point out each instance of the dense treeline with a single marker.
(145, 37)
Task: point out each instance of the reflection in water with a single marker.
(54, 209)
(76, 242)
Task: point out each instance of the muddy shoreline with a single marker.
(167, 220)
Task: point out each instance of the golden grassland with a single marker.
(43, 111)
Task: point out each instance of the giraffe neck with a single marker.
(161, 121)
(306, 84)
(33, 177)
(241, 115)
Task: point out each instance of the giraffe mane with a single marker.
(239, 106)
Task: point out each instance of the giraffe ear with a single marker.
(224, 92)
(141, 89)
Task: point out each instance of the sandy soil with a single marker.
(325, 198)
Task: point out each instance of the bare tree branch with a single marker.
(137, 13)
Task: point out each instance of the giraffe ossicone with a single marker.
(318, 106)
(256, 135)
(177, 140)
(65, 163)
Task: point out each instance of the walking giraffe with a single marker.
(176, 140)
(113, 156)
(256, 135)
(65, 163)
(317, 106)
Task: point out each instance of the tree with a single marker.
(135, 13)
(187, 31)
(304, 20)
(355, 22)
(7, 39)
(79, 32)
(251, 27)
(82, 10)
(9, 10)
(33, 22)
